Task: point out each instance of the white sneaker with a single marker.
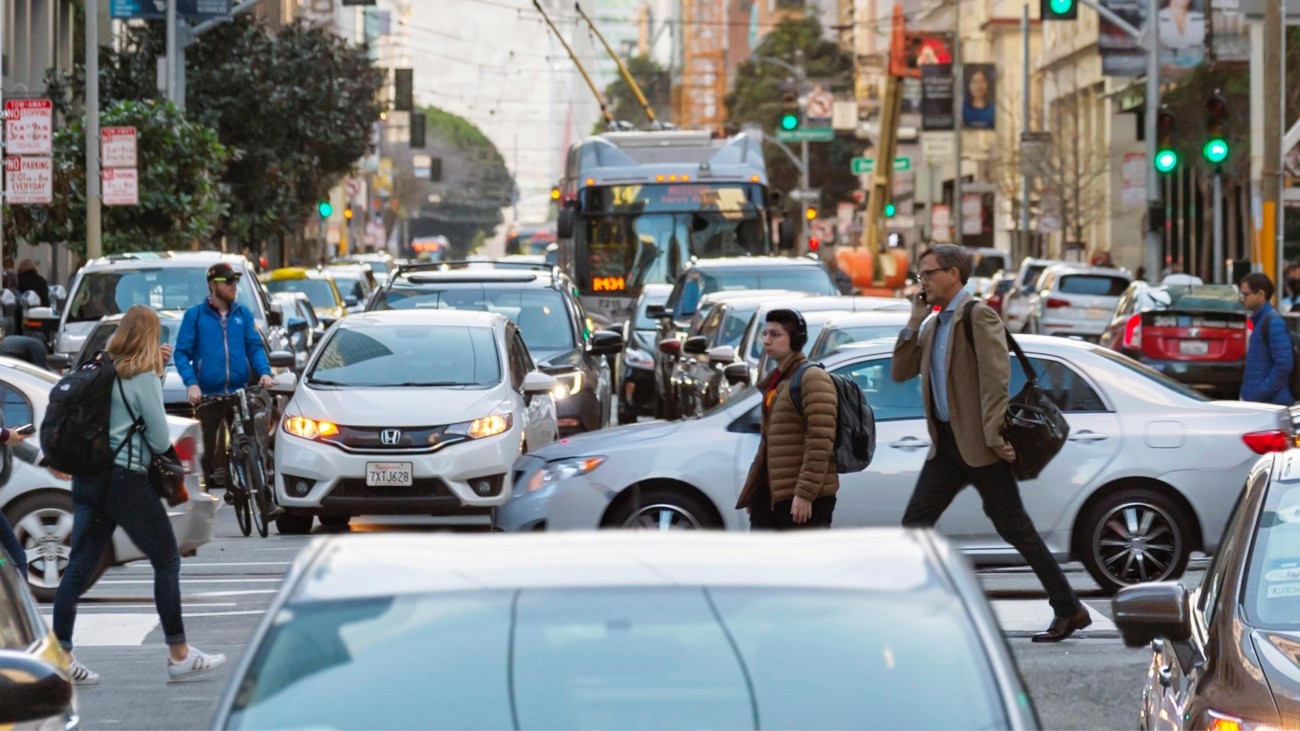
(82, 675)
(195, 664)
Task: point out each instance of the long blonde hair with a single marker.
(134, 347)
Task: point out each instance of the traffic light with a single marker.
(1058, 9)
(890, 209)
(810, 213)
(347, 213)
(789, 121)
(814, 244)
(555, 192)
(324, 209)
(403, 90)
(1216, 135)
(1166, 156)
(416, 134)
(789, 105)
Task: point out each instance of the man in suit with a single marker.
(966, 397)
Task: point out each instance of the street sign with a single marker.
(845, 115)
(938, 146)
(808, 134)
(799, 195)
(821, 105)
(29, 180)
(117, 147)
(29, 126)
(864, 165)
(196, 10)
(121, 187)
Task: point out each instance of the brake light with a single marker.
(1263, 442)
(186, 451)
(1133, 332)
(670, 347)
(1053, 303)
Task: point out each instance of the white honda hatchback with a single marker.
(410, 412)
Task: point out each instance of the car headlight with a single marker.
(639, 359)
(1224, 722)
(562, 470)
(488, 426)
(301, 426)
(569, 384)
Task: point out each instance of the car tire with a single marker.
(335, 521)
(293, 524)
(661, 508)
(50, 512)
(1134, 536)
(626, 416)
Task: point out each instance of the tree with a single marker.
(656, 85)
(181, 201)
(756, 97)
(295, 108)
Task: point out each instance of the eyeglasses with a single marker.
(925, 274)
(772, 333)
(1243, 295)
(224, 280)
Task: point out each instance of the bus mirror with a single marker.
(774, 200)
(786, 234)
(564, 225)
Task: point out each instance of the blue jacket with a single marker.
(1268, 366)
(220, 356)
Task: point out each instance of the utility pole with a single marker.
(94, 245)
(1025, 107)
(1274, 123)
(169, 73)
(801, 75)
(956, 121)
(1155, 202)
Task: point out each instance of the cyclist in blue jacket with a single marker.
(218, 351)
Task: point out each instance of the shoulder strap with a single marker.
(796, 383)
(137, 425)
(1012, 345)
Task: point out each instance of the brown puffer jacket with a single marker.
(797, 451)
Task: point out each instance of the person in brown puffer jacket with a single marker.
(792, 483)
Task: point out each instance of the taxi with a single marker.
(318, 285)
(35, 690)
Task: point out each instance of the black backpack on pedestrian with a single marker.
(1294, 381)
(855, 422)
(74, 432)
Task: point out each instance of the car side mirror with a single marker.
(722, 354)
(31, 689)
(656, 312)
(284, 384)
(737, 374)
(58, 361)
(351, 301)
(274, 318)
(1149, 611)
(538, 382)
(297, 324)
(280, 359)
(606, 342)
(695, 345)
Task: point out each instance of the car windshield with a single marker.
(113, 291)
(1093, 284)
(1272, 593)
(103, 332)
(540, 314)
(676, 657)
(378, 266)
(382, 355)
(350, 286)
(1151, 374)
(318, 291)
(855, 334)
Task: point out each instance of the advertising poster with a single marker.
(935, 61)
(979, 96)
(1182, 38)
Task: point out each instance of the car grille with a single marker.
(420, 487)
(395, 440)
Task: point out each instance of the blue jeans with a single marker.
(103, 503)
(9, 542)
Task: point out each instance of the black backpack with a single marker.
(1294, 381)
(74, 432)
(855, 422)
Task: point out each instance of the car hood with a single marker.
(613, 437)
(396, 407)
(1279, 657)
(558, 360)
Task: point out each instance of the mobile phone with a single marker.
(921, 296)
(26, 429)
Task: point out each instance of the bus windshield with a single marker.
(633, 235)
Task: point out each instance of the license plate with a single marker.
(1097, 313)
(1193, 347)
(388, 474)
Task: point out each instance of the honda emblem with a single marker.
(390, 437)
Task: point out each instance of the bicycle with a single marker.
(247, 461)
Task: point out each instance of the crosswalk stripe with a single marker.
(1033, 615)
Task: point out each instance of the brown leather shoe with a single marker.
(1062, 627)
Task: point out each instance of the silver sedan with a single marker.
(1148, 475)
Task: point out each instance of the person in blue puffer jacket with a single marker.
(1268, 364)
(218, 350)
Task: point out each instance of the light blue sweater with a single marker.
(144, 394)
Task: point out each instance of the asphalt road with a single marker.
(1090, 682)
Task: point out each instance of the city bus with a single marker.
(637, 207)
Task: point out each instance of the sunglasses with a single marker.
(224, 280)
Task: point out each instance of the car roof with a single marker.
(867, 317)
(742, 296)
(741, 262)
(1074, 268)
(656, 289)
(165, 259)
(291, 273)
(432, 317)
(1045, 344)
(357, 566)
(523, 278)
(821, 303)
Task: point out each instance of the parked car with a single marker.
(1002, 284)
(304, 327)
(1139, 485)
(381, 264)
(354, 280)
(410, 412)
(1075, 301)
(717, 275)
(39, 503)
(319, 286)
(542, 304)
(35, 689)
(842, 328)
(1224, 656)
(635, 371)
(626, 630)
(1016, 302)
(1196, 334)
(166, 280)
(986, 260)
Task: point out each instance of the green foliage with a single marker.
(476, 183)
(655, 82)
(756, 97)
(181, 200)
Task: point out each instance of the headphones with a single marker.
(799, 338)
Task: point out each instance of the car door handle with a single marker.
(909, 443)
(1088, 436)
(1166, 675)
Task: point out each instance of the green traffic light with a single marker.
(890, 210)
(1166, 161)
(324, 209)
(1215, 150)
(789, 121)
(1060, 7)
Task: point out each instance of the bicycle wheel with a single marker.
(239, 482)
(256, 487)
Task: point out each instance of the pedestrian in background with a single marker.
(30, 280)
(1268, 355)
(123, 496)
(792, 481)
(966, 393)
(1291, 293)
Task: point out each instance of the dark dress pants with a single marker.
(947, 474)
(763, 515)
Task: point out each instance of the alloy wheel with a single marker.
(1137, 542)
(662, 516)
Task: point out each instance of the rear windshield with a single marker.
(541, 314)
(813, 280)
(1093, 284)
(1210, 297)
(113, 291)
(382, 355)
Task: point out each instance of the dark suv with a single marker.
(716, 275)
(540, 301)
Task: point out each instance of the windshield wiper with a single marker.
(431, 383)
(322, 382)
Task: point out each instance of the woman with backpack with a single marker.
(123, 496)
